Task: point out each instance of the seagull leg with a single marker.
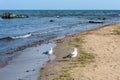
(70, 59)
(49, 57)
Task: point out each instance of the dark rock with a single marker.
(51, 20)
(96, 21)
(11, 16)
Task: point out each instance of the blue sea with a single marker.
(22, 32)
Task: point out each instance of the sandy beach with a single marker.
(98, 56)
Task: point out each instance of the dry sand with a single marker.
(106, 48)
(102, 43)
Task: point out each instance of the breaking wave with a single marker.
(29, 35)
(16, 37)
(22, 36)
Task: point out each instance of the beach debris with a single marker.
(59, 41)
(27, 71)
(42, 68)
(72, 54)
(49, 53)
(96, 21)
(11, 16)
(51, 20)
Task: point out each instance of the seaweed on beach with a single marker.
(80, 61)
(83, 56)
(117, 31)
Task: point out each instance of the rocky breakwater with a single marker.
(11, 16)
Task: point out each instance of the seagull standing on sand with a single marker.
(49, 53)
(72, 54)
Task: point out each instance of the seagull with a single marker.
(72, 54)
(49, 53)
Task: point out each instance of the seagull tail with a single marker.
(64, 57)
(45, 52)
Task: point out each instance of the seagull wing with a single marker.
(46, 52)
(69, 55)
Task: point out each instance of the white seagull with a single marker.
(72, 54)
(49, 53)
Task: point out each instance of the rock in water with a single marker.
(96, 21)
(51, 20)
(11, 16)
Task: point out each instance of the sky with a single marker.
(59, 4)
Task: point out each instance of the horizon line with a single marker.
(59, 9)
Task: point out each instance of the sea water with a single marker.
(43, 25)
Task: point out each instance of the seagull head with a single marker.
(75, 49)
(51, 48)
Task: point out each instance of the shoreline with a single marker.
(53, 70)
(26, 65)
(9, 55)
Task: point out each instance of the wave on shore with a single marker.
(29, 34)
(16, 37)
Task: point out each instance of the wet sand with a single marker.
(27, 64)
(102, 61)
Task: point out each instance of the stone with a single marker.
(11, 16)
(51, 20)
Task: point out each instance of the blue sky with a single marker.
(60, 4)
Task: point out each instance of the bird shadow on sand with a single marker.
(62, 60)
